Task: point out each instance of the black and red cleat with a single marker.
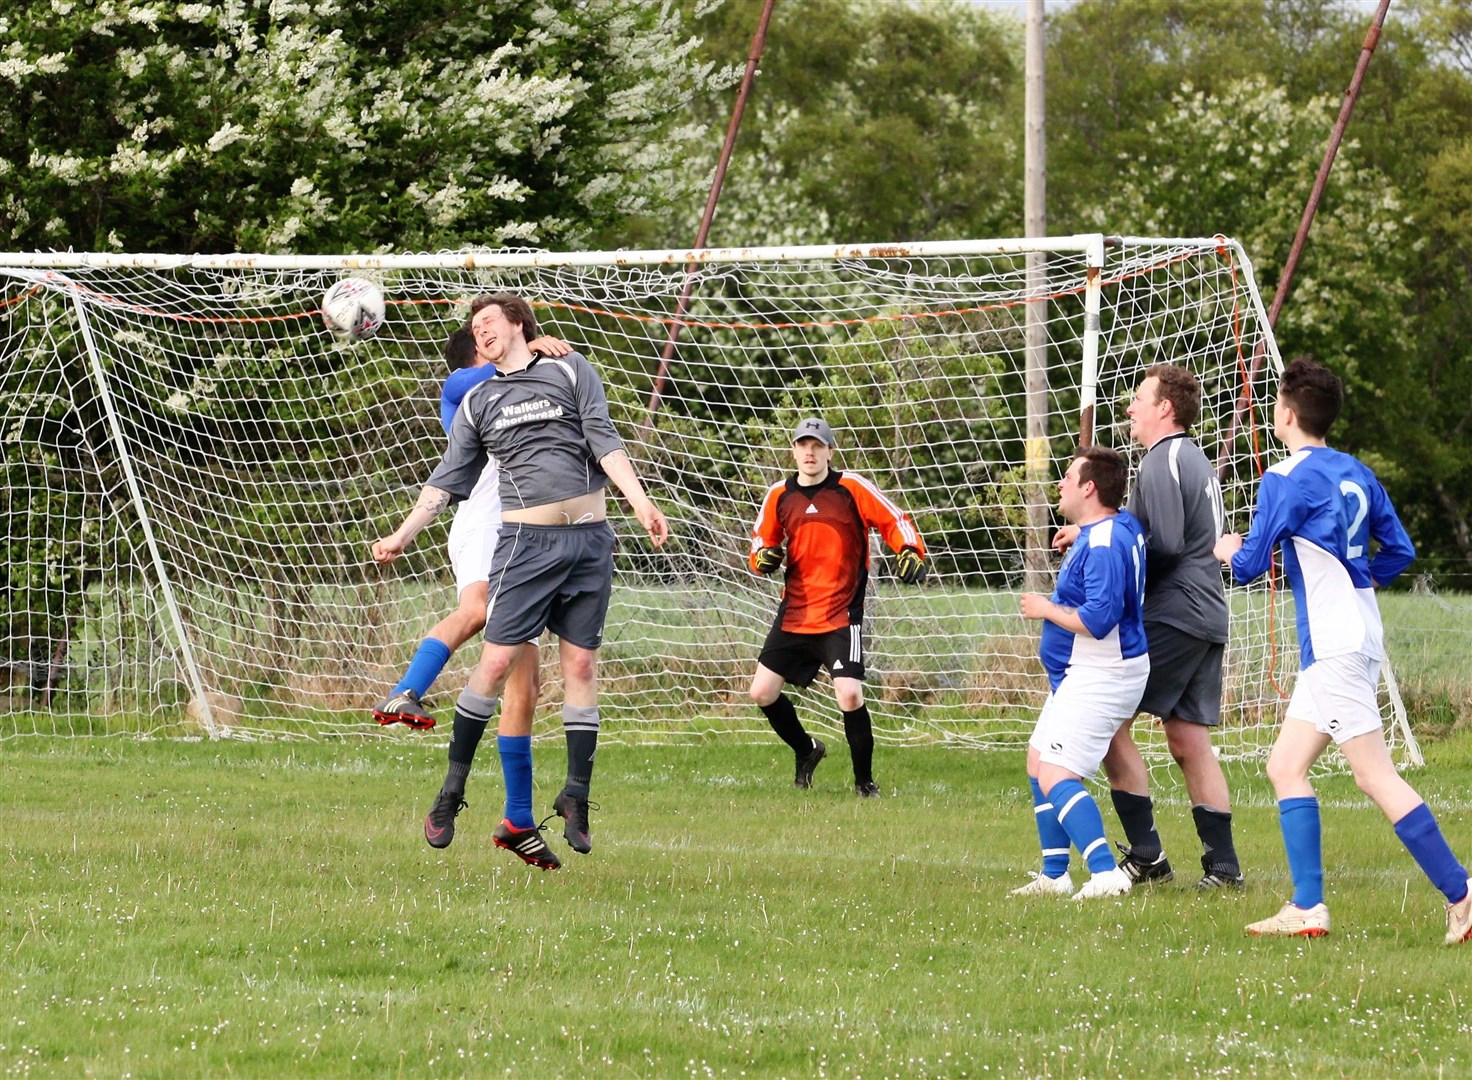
(526, 844)
(403, 708)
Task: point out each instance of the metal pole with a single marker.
(753, 56)
(1035, 223)
(166, 590)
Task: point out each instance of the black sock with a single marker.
(858, 729)
(783, 718)
(1215, 829)
(473, 714)
(1137, 815)
(580, 728)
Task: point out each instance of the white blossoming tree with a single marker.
(321, 125)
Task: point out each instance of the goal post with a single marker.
(195, 469)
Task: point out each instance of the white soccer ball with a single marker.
(353, 308)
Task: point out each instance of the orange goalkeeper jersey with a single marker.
(826, 529)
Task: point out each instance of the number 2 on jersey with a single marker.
(1356, 494)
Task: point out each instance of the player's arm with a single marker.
(766, 535)
(1065, 536)
(1036, 606)
(1278, 512)
(1396, 551)
(899, 532)
(547, 345)
(620, 470)
(432, 502)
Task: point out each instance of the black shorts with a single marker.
(1185, 676)
(797, 657)
(550, 577)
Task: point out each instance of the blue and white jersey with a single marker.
(482, 507)
(1103, 579)
(1324, 507)
(457, 386)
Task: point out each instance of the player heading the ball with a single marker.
(546, 422)
(824, 517)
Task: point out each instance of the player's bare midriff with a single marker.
(578, 510)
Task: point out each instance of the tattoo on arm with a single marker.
(433, 500)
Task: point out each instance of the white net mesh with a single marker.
(195, 469)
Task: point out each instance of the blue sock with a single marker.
(1299, 819)
(1079, 815)
(425, 668)
(1051, 835)
(1422, 837)
(516, 769)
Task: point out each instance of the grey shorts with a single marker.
(1185, 676)
(550, 577)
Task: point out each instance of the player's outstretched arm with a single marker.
(548, 345)
(621, 471)
(432, 502)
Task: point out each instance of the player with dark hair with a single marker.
(1177, 499)
(824, 517)
(546, 423)
(472, 541)
(1093, 650)
(1325, 511)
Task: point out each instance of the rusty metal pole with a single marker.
(1037, 567)
(1285, 282)
(753, 56)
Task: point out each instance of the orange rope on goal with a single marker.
(1257, 462)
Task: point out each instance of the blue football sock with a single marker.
(1079, 815)
(1299, 818)
(425, 668)
(1422, 837)
(1051, 835)
(516, 769)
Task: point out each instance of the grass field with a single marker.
(186, 909)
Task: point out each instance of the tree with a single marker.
(293, 125)
(869, 123)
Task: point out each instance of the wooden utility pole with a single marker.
(1035, 214)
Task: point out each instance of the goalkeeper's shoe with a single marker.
(806, 763)
(1143, 869)
(1293, 921)
(866, 789)
(1042, 885)
(526, 844)
(573, 809)
(403, 708)
(1219, 875)
(439, 825)
(1105, 883)
(1459, 919)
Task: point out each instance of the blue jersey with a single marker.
(1103, 578)
(457, 386)
(1324, 507)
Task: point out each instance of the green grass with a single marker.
(185, 909)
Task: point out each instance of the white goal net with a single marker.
(195, 468)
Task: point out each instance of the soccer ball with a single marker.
(353, 309)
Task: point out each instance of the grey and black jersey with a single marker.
(548, 427)
(1178, 500)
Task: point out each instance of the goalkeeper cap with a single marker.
(814, 427)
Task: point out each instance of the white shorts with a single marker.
(1080, 718)
(471, 546)
(1337, 695)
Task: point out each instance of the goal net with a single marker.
(195, 469)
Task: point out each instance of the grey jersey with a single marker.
(548, 427)
(1178, 499)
